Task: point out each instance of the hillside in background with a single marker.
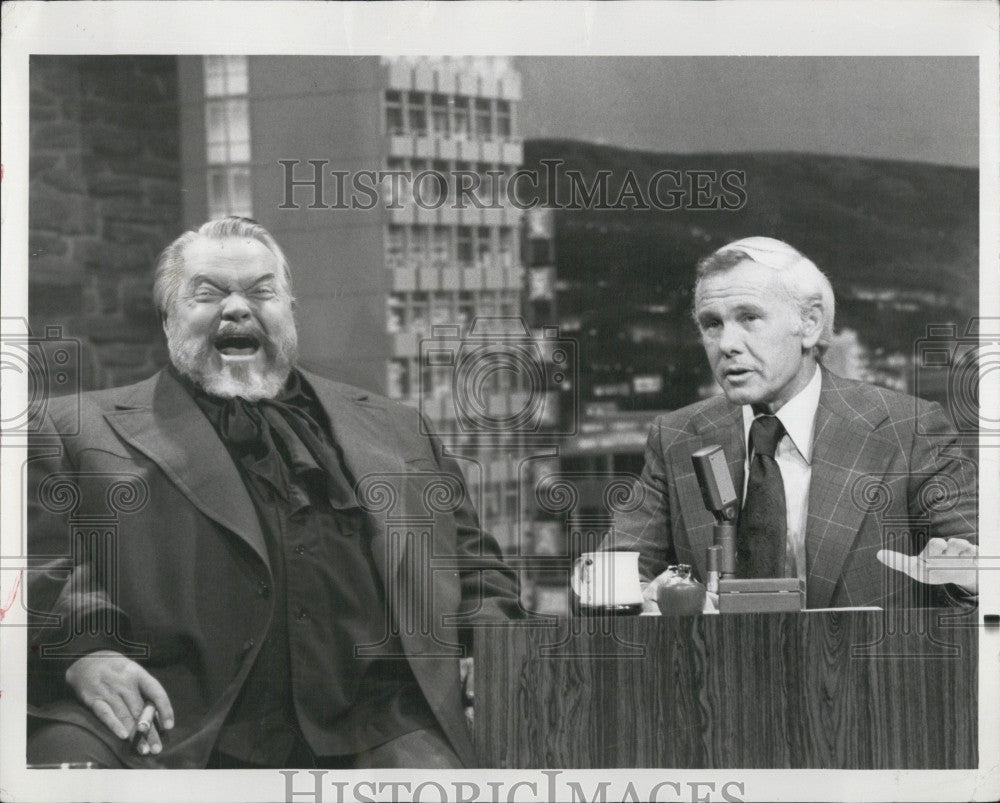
(898, 240)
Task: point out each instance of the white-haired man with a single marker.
(254, 599)
(822, 461)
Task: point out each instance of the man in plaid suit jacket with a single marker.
(880, 501)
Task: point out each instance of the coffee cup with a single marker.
(608, 582)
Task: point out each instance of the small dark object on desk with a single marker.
(606, 610)
(681, 596)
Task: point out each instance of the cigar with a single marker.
(142, 727)
(145, 718)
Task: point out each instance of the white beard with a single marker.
(198, 361)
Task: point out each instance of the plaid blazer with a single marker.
(886, 474)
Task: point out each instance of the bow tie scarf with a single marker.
(763, 523)
(282, 444)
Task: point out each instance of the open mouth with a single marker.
(237, 345)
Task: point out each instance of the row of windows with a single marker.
(419, 310)
(444, 246)
(484, 181)
(407, 379)
(425, 113)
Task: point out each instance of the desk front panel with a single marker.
(850, 690)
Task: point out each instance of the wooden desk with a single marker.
(837, 690)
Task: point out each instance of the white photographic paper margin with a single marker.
(542, 28)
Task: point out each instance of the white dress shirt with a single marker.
(794, 457)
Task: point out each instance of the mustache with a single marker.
(241, 330)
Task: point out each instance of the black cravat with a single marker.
(282, 443)
(763, 525)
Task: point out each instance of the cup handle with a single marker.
(581, 576)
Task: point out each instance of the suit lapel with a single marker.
(163, 422)
(370, 446)
(719, 424)
(845, 449)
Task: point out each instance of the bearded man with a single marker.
(254, 608)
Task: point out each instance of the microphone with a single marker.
(716, 483)
(719, 494)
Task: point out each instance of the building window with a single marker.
(508, 255)
(227, 130)
(484, 246)
(464, 251)
(466, 309)
(225, 76)
(419, 246)
(484, 118)
(485, 191)
(396, 313)
(394, 122)
(395, 246)
(227, 136)
(503, 118)
(441, 246)
(440, 115)
(443, 310)
(399, 379)
(445, 184)
(460, 113)
(419, 313)
(416, 113)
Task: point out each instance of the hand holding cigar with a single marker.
(147, 738)
(125, 697)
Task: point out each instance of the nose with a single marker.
(235, 308)
(730, 339)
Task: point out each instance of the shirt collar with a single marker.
(797, 415)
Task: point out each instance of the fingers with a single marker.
(900, 562)
(935, 547)
(149, 742)
(155, 693)
(937, 563)
(650, 606)
(960, 547)
(129, 694)
(106, 714)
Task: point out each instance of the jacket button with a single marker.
(301, 614)
(248, 644)
(299, 550)
(264, 589)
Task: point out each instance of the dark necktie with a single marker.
(762, 527)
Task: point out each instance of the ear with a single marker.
(812, 326)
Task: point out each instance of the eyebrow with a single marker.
(201, 277)
(713, 315)
(267, 277)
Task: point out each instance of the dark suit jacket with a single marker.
(189, 557)
(885, 475)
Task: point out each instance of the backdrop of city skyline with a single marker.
(923, 109)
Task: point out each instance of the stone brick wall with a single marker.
(105, 198)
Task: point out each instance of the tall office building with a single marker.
(298, 144)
